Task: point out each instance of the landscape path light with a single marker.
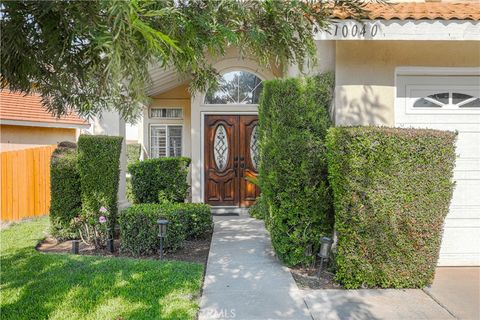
(324, 253)
(162, 233)
(75, 246)
(110, 241)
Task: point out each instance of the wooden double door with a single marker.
(231, 159)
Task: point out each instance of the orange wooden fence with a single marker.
(25, 176)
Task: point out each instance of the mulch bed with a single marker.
(193, 251)
(308, 278)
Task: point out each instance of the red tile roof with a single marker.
(18, 107)
(418, 11)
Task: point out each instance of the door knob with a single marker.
(235, 168)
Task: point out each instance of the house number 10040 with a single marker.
(353, 30)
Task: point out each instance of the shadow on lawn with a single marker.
(62, 286)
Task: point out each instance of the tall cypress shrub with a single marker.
(65, 201)
(392, 189)
(99, 168)
(294, 119)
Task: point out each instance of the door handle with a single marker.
(235, 168)
(242, 169)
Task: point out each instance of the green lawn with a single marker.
(34, 285)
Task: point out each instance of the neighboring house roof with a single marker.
(418, 11)
(27, 110)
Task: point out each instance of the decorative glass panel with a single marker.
(424, 103)
(460, 97)
(472, 104)
(254, 147)
(440, 97)
(237, 87)
(220, 148)
(436, 100)
(166, 113)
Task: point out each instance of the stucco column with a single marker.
(112, 124)
(196, 143)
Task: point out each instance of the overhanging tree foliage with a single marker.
(91, 55)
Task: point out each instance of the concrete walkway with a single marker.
(244, 280)
(454, 294)
(458, 291)
(373, 304)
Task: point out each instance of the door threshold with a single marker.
(229, 211)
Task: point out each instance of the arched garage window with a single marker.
(450, 100)
(236, 87)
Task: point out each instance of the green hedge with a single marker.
(165, 176)
(197, 218)
(139, 231)
(133, 153)
(293, 118)
(392, 189)
(99, 168)
(259, 209)
(65, 192)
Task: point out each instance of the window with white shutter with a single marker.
(174, 141)
(165, 141)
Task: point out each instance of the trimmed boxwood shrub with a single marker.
(65, 201)
(392, 189)
(139, 229)
(133, 152)
(166, 177)
(259, 209)
(197, 218)
(99, 168)
(294, 118)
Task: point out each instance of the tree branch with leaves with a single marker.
(89, 56)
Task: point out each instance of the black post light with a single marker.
(110, 243)
(324, 254)
(75, 246)
(162, 233)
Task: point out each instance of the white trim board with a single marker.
(44, 124)
(437, 71)
(459, 30)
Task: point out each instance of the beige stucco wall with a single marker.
(365, 74)
(35, 135)
(178, 97)
(325, 61)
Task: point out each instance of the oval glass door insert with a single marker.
(220, 148)
(254, 147)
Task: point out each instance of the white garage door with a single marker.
(450, 103)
